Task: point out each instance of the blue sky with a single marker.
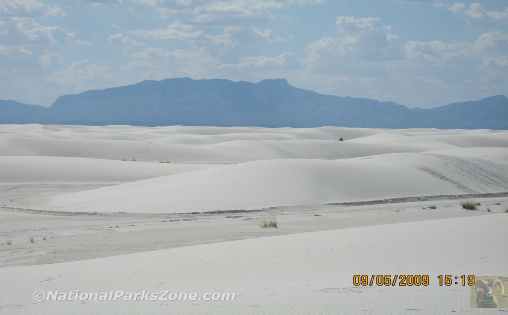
(414, 52)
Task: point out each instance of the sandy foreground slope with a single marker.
(308, 273)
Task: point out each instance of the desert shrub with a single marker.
(470, 205)
(9, 242)
(341, 139)
(433, 207)
(267, 224)
(32, 240)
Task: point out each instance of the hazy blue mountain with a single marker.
(12, 112)
(271, 103)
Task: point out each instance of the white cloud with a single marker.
(258, 62)
(476, 10)
(28, 7)
(14, 50)
(173, 31)
(82, 75)
(20, 6)
(356, 24)
(177, 31)
(492, 42)
(48, 59)
(159, 63)
(357, 39)
(365, 58)
(435, 51)
(55, 11)
(124, 39)
(457, 7)
(266, 34)
(497, 62)
(27, 31)
(208, 10)
(226, 38)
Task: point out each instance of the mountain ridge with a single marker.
(267, 103)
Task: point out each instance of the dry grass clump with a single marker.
(470, 205)
(269, 224)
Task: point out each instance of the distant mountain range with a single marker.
(269, 103)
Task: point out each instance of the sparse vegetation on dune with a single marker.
(269, 223)
(470, 205)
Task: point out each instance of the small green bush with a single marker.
(470, 205)
(267, 224)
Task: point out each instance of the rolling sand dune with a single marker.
(227, 151)
(44, 169)
(263, 184)
(229, 145)
(254, 167)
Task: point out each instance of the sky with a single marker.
(421, 53)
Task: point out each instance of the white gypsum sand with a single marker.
(55, 169)
(247, 168)
(84, 207)
(301, 273)
(262, 184)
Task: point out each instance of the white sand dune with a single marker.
(255, 167)
(192, 151)
(29, 169)
(307, 273)
(181, 144)
(261, 184)
(214, 144)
